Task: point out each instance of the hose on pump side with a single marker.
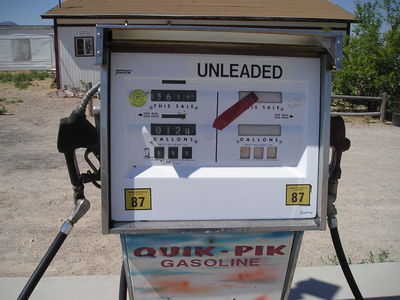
(74, 132)
(42, 267)
(343, 263)
(339, 144)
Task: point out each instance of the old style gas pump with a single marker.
(214, 146)
(214, 154)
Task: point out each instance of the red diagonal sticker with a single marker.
(235, 111)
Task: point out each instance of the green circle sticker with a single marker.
(138, 98)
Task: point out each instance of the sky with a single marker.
(27, 12)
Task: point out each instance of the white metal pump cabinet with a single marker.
(214, 154)
(204, 134)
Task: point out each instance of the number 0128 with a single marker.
(173, 129)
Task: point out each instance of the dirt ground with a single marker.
(36, 196)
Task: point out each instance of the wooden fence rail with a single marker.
(380, 113)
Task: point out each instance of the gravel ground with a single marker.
(35, 194)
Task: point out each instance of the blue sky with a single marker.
(27, 12)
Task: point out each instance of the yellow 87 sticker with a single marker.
(137, 199)
(298, 194)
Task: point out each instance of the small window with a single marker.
(21, 50)
(84, 46)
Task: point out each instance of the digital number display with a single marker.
(173, 129)
(259, 130)
(173, 95)
(264, 97)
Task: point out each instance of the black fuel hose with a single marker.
(41, 268)
(343, 263)
(123, 286)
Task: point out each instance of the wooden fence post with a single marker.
(383, 107)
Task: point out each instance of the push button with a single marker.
(187, 152)
(258, 153)
(272, 152)
(244, 152)
(158, 152)
(173, 152)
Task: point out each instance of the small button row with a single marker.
(258, 152)
(173, 152)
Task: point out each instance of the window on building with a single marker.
(84, 46)
(21, 49)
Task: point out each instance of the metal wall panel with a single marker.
(73, 69)
(26, 49)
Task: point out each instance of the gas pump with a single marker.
(215, 155)
(214, 147)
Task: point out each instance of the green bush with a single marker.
(20, 77)
(40, 75)
(22, 84)
(22, 80)
(3, 110)
(6, 77)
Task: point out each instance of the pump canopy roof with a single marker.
(271, 10)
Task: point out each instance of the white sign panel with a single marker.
(218, 266)
(213, 137)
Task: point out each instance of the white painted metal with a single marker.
(75, 70)
(215, 184)
(40, 46)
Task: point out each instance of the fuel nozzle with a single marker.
(339, 144)
(77, 132)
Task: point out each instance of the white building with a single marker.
(26, 48)
(75, 23)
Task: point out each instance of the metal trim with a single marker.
(334, 46)
(331, 41)
(57, 54)
(214, 226)
(324, 139)
(126, 267)
(339, 52)
(194, 17)
(226, 28)
(261, 25)
(221, 48)
(104, 146)
(66, 227)
(298, 237)
(99, 46)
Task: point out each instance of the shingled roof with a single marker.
(284, 10)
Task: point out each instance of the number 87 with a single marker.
(295, 197)
(137, 201)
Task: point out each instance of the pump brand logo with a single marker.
(240, 256)
(123, 72)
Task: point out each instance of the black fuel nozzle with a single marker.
(339, 143)
(77, 132)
